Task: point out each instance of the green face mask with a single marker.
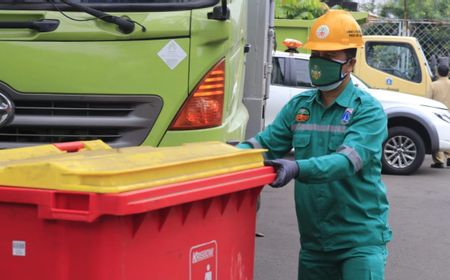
(326, 74)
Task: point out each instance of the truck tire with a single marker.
(403, 151)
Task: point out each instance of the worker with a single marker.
(337, 131)
(440, 91)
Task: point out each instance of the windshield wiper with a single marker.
(125, 25)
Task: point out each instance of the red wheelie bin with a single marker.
(129, 214)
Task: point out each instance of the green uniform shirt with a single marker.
(340, 198)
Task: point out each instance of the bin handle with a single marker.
(70, 147)
(71, 206)
(71, 215)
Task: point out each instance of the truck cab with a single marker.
(128, 72)
(394, 63)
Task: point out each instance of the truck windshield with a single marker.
(16, 2)
(109, 5)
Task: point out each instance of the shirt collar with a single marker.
(312, 95)
(343, 99)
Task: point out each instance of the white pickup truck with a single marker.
(417, 125)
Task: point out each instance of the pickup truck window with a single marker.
(290, 72)
(397, 59)
(301, 73)
(279, 71)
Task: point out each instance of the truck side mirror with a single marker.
(220, 12)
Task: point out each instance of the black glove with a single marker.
(286, 171)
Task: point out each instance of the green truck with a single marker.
(128, 72)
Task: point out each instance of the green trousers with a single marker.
(359, 263)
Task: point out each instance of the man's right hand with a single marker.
(286, 171)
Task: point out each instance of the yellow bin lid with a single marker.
(101, 169)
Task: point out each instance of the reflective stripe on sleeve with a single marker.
(352, 155)
(255, 143)
(318, 127)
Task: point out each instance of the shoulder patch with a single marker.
(302, 115)
(345, 119)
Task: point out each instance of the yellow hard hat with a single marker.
(335, 30)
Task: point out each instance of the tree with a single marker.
(368, 7)
(300, 9)
(416, 9)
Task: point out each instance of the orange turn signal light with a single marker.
(204, 107)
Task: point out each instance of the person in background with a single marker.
(440, 91)
(337, 131)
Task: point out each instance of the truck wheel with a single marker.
(403, 151)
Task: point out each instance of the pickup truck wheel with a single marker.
(403, 151)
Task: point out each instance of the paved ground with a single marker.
(420, 219)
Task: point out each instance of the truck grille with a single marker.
(118, 120)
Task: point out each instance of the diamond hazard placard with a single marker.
(172, 54)
(203, 261)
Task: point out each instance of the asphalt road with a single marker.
(419, 217)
